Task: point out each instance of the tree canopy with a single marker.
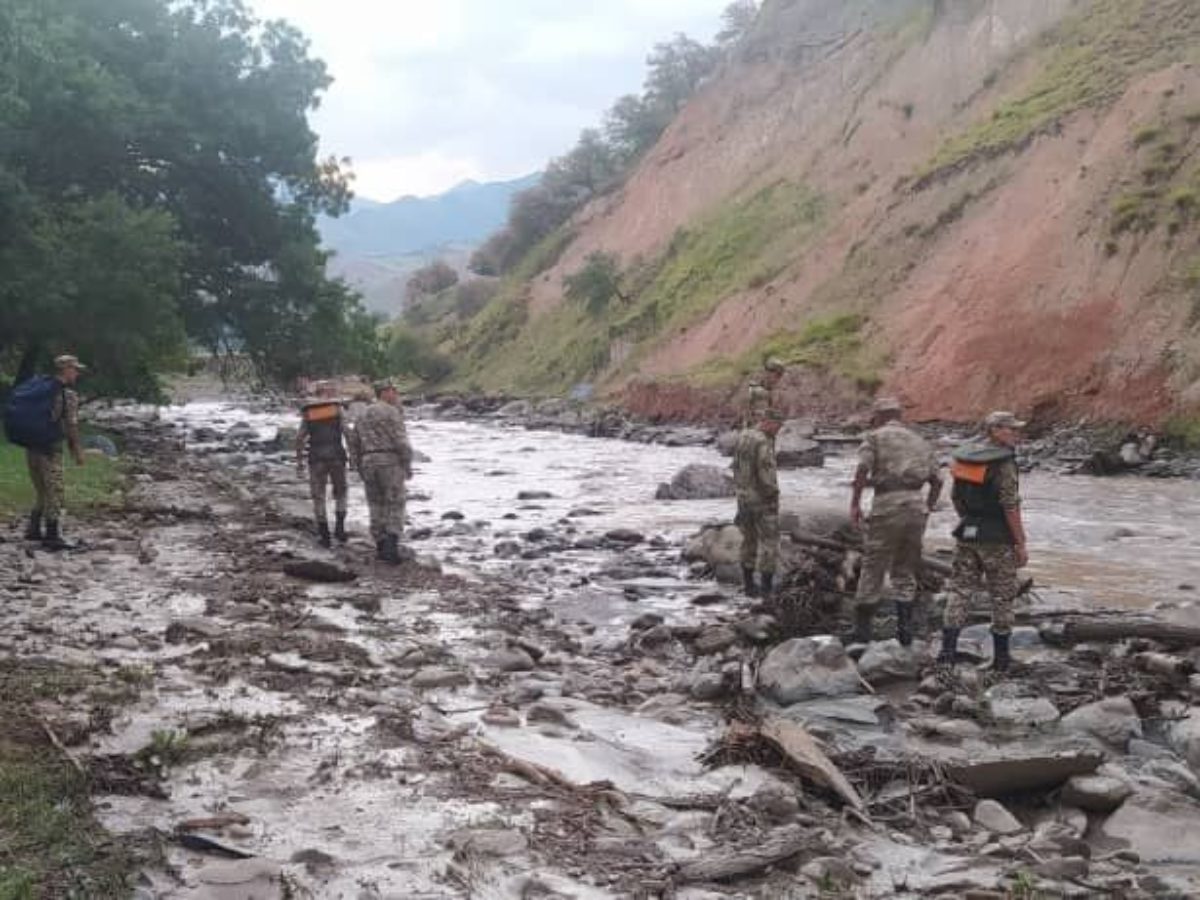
(159, 183)
(675, 70)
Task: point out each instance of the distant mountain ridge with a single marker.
(465, 214)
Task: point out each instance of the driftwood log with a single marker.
(737, 862)
(1114, 628)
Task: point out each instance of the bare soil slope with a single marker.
(971, 204)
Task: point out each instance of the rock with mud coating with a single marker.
(806, 668)
(439, 677)
(887, 661)
(510, 659)
(1160, 826)
(795, 448)
(1007, 707)
(535, 495)
(698, 482)
(499, 842)
(996, 819)
(1095, 793)
(517, 409)
(714, 639)
(624, 536)
(319, 570)
(720, 548)
(1184, 738)
(818, 519)
(1113, 720)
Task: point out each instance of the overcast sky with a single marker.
(431, 92)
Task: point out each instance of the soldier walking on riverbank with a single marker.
(991, 535)
(897, 463)
(757, 483)
(321, 439)
(381, 453)
(761, 392)
(42, 412)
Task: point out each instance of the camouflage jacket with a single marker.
(754, 471)
(896, 458)
(379, 438)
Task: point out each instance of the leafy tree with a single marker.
(633, 126)
(736, 22)
(410, 354)
(677, 68)
(158, 177)
(430, 279)
(596, 283)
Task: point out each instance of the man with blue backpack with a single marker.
(42, 412)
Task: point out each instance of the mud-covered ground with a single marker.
(568, 710)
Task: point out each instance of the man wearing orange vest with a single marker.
(322, 440)
(990, 535)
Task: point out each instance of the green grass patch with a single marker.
(1184, 431)
(1147, 135)
(1135, 212)
(830, 343)
(1088, 61)
(50, 845)
(96, 485)
(743, 244)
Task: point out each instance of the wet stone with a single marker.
(624, 536)
(646, 620)
(552, 715)
(888, 661)
(510, 659)
(715, 639)
(807, 668)
(535, 495)
(488, 842)
(1095, 793)
(439, 677)
(1113, 720)
(995, 818)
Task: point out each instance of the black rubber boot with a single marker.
(323, 533)
(949, 654)
(1001, 659)
(388, 549)
(52, 540)
(339, 528)
(768, 584)
(749, 588)
(904, 617)
(862, 624)
(33, 531)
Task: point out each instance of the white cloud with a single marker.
(426, 94)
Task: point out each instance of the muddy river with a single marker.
(1117, 541)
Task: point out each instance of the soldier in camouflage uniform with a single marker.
(46, 466)
(381, 453)
(898, 463)
(321, 439)
(991, 535)
(761, 392)
(757, 485)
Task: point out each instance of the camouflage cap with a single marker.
(887, 405)
(1001, 419)
(774, 364)
(67, 361)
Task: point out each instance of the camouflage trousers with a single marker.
(46, 473)
(320, 474)
(759, 524)
(893, 546)
(384, 485)
(990, 568)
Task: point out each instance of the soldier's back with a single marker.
(903, 460)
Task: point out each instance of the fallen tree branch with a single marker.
(1081, 630)
(736, 862)
(799, 748)
(61, 747)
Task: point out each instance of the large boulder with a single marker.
(887, 661)
(1113, 720)
(698, 482)
(807, 668)
(1184, 738)
(1159, 826)
(717, 545)
(1096, 793)
(817, 518)
(795, 448)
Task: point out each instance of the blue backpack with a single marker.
(29, 415)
